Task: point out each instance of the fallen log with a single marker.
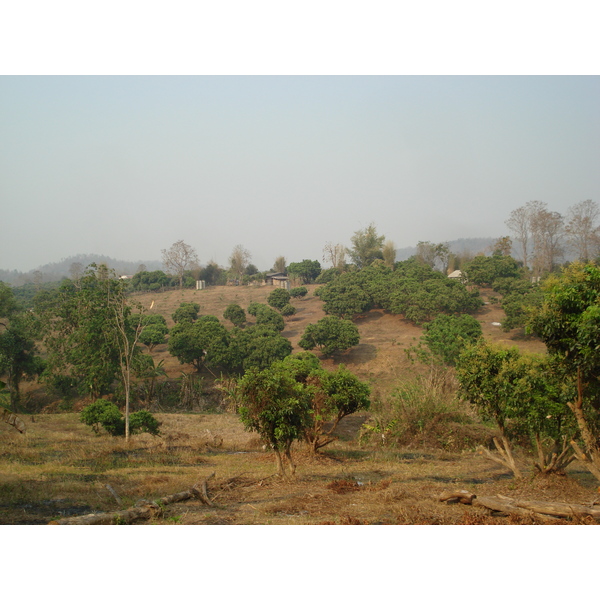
(143, 509)
(545, 511)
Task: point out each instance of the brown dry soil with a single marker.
(60, 468)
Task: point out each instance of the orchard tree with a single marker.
(204, 342)
(186, 313)
(521, 393)
(568, 322)
(179, 258)
(256, 346)
(277, 407)
(236, 314)
(331, 334)
(278, 298)
(306, 271)
(448, 335)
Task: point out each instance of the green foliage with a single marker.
(288, 310)
(257, 346)
(19, 357)
(150, 280)
(519, 304)
(330, 334)
(447, 336)
(279, 298)
(104, 413)
(298, 292)
(306, 271)
(186, 313)
(327, 275)
(366, 246)
(413, 289)
(236, 314)
(345, 296)
(202, 342)
(274, 405)
(270, 318)
(484, 270)
(84, 327)
(526, 393)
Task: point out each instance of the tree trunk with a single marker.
(506, 458)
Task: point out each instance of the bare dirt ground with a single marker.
(60, 468)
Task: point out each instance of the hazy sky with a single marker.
(125, 166)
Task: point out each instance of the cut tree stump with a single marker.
(550, 512)
(143, 509)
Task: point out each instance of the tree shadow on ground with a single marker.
(363, 353)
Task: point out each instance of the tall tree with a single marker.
(518, 223)
(179, 258)
(336, 255)
(239, 261)
(583, 230)
(366, 246)
(19, 358)
(89, 333)
(547, 231)
(389, 254)
(279, 265)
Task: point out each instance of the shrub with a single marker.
(298, 292)
(104, 413)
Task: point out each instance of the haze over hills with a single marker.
(58, 270)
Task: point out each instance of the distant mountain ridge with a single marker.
(58, 270)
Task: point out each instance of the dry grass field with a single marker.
(60, 468)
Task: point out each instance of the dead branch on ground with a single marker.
(548, 512)
(143, 509)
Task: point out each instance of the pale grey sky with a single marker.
(125, 166)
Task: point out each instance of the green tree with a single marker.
(278, 298)
(274, 405)
(335, 395)
(270, 318)
(484, 270)
(257, 346)
(366, 246)
(521, 393)
(448, 335)
(19, 357)
(204, 342)
(568, 322)
(306, 271)
(236, 314)
(330, 334)
(89, 332)
(154, 330)
(345, 296)
(186, 313)
(298, 292)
